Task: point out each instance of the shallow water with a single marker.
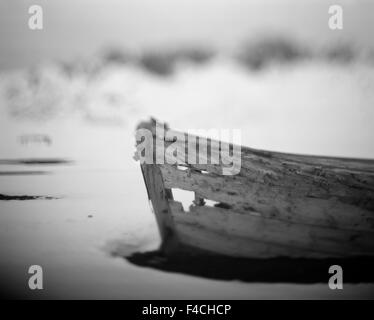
(85, 215)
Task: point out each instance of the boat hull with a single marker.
(278, 205)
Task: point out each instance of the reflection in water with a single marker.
(5, 197)
(29, 162)
(286, 270)
(22, 173)
(35, 161)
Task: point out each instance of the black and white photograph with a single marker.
(190, 150)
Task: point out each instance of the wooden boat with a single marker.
(279, 205)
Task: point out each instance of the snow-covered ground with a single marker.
(101, 211)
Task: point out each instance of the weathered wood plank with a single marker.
(278, 204)
(223, 244)
(355, 184)
(302, 240)
(251, 154)
(194, 235)
(159, 197)
(291, 205)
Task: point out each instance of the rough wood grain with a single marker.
(159, 197)
(304, 239)
(278, 204)
(282, 203)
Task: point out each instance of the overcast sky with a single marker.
(82, 27)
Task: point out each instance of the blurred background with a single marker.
(72, 198)
(81, 28)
